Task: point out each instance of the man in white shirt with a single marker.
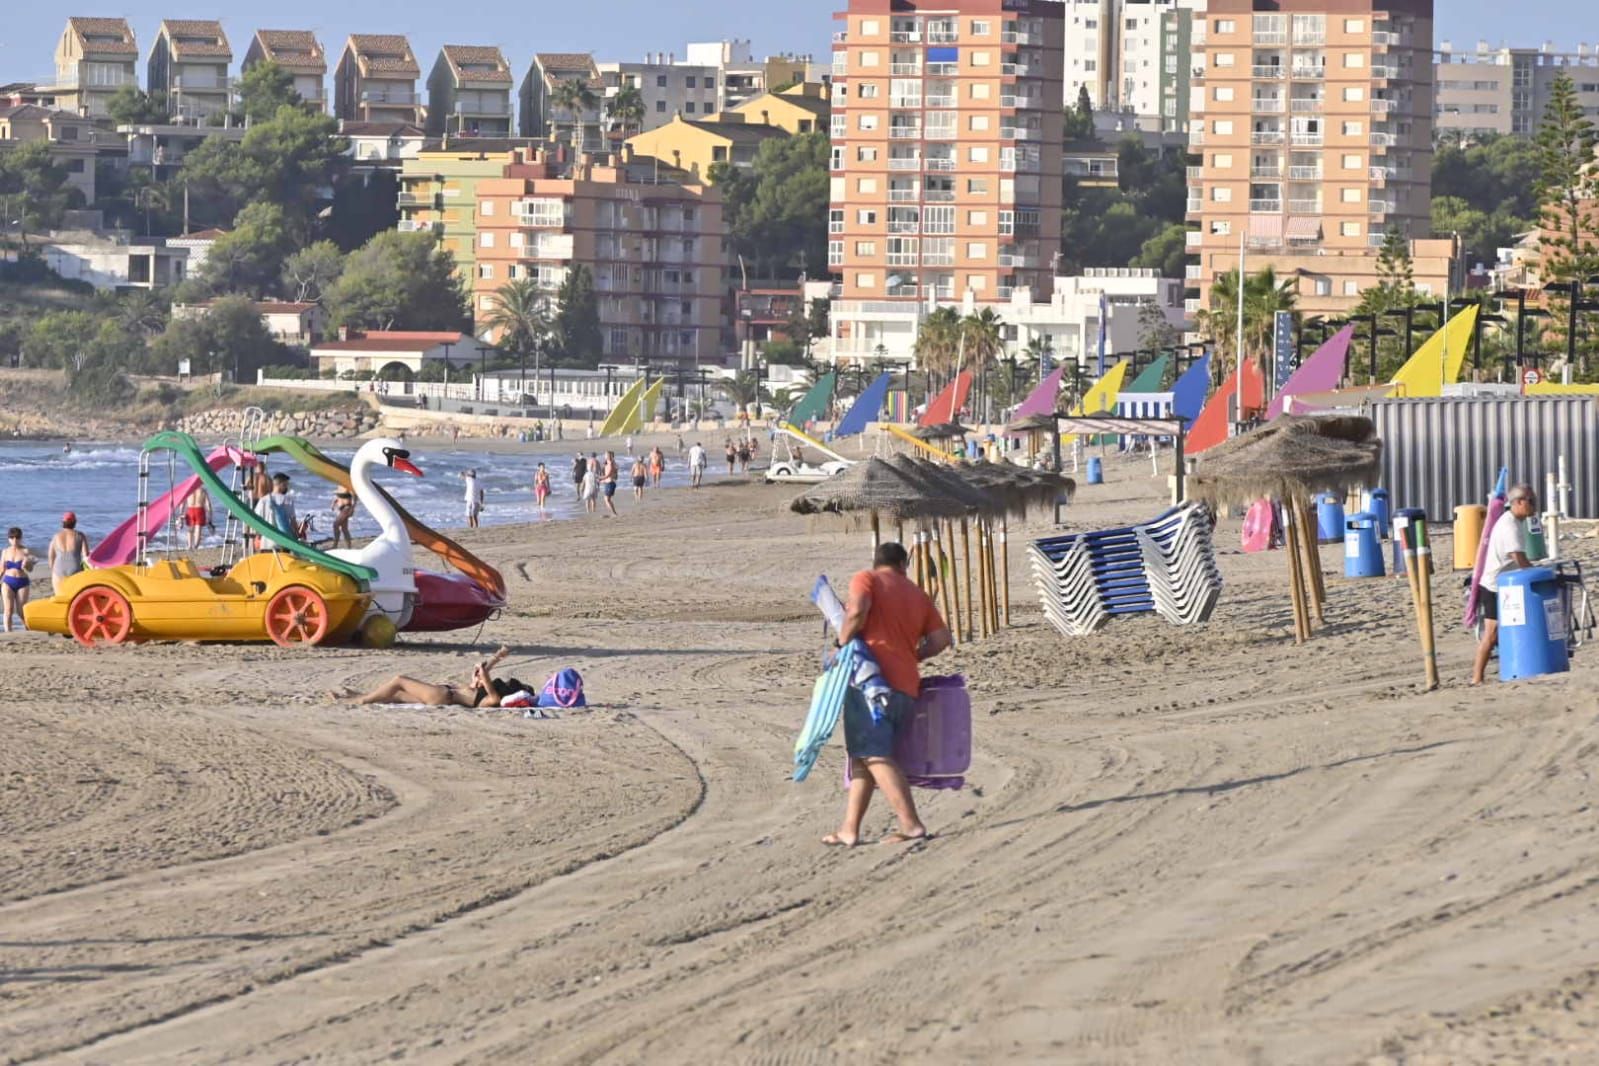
(474, 498)
(1507, 550)
(696, 464)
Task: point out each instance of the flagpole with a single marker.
(1238, 349)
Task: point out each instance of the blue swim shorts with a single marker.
(866, 739)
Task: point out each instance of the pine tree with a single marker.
(1567, 188)
(577, 323)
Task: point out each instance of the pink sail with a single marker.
(1041, 401)
(1320, 373)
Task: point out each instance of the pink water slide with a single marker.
(121, 546)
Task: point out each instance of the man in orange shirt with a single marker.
(900, 627)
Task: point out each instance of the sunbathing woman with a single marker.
(485, 691)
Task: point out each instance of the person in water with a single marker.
(639, 478)
(541, 488)
(901, 627)
(197, 516)
(485, 690)
(15, 562)
(69, 550)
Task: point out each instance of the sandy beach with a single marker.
(1178, 845)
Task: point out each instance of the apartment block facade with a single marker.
(540, 117)
(189, 62)
(1132, 56)
(438, 194)
(94, 58)
(668, 88)
(469, 92)
(654, 245)
(1313, 123)
(1504, 91)
(300, 54)
(946, 161)
(376, 80)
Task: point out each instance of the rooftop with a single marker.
(297, 51)
(563, 65)
(384, 53)
(477, 63)
(393, 341)
(104, 36)
(196, 38)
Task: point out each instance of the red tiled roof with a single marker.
(462, 55)
(183, 36)
(297, 51)
(102, 28)
(393, 341)
(559, 66)
(388, 53)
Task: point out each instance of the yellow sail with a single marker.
(624, 413)
(1437, 362)
(1101, 397)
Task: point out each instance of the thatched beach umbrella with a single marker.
(941, 431)
(944, 482)
(1034, 427)
(875, 488)
(1292, 459)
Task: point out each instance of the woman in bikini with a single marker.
(486, 690)
(657, 465)
(541, 488)
(15, 562)
(343, 511)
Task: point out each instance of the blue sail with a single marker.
(868, 405)
(1188, 395)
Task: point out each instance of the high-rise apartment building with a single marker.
(1132, 56)
(946, 162)
(1505, 90)
(1313, 123)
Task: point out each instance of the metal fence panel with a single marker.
(1441, 453)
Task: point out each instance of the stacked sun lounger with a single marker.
(1166, 566)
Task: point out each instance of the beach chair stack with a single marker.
(1166, 566)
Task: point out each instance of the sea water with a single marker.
(38, 481)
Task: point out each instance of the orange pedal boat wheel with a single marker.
(99, 614)
(297, 615)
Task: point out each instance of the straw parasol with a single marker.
(942, 431)
(877, 488)
(945, 481)
(1032, 424)
(1018, 486)
(1291, 458)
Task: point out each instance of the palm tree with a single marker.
(576, 97)
(521, 318)
(743, 389)
(984, 332)
(1264, 296)
(142, 312)
(625, 110)
(938, 342)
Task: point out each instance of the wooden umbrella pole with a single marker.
(986, 544)
(1317, 574)
(1004, 563)
(877, 533)
(966, 554)
(1312, 558)
(993, 581)
(1296, 589)
(982, 582)
(1304, 578)
(1407, 546)
(918, 562)
(1423, 567)
(954, 579)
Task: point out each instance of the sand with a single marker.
(1179, 845)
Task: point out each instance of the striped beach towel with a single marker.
(827, 707)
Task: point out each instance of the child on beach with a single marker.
(15, 562)
(541, 488)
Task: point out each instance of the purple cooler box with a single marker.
(934, 747)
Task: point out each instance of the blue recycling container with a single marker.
(1362, 548)
(1096, 471)
(1532, 624)
(1329, 518)
(1403, 514)
(1376, 502)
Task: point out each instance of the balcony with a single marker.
(1307, 73)
(904, 101)
(1310, 37)
(938, 259)
(389, 98)
(1271, 36)
(1020, 37)
(1196, 135)
(1385, 38)
(1385, 71)
(1020, 133)
(1307, 105)
(1304, 173)
(1266, 206)
(1269, 71)
(911, 226)
(1383, 140)
(904, 196)
(941, 101)
(1195, 204)
(1305, 207)
(1024, 102)
(1382, 207)
(491, 108)
(943, 70)
(942, 36)
(938, 196)
(1266, 137)
(901, 259)
(1266, 105)
(1384, 174)
(905, 70)
(839, 37)
(905, 37)
(940, 163)
(1384, 107)
(904, 133)
(409, 226)
(1196, 174)
(420, 199)
(1018, 260)
(1193, 239)
(903, 163)
(1191, 305)
(1020, 70)
(1193, 272)
(1308, 140)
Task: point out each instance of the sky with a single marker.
(613, 29)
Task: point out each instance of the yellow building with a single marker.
(695, 146)
(438, 192)
(801, 108)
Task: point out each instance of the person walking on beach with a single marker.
(657, 465)
(197, 516)
(1507, 550)
(732, 457)
(474, 499)
(681, 447)
(69, 550)
(901, 627)
(589, 487)
(743, 457)
(15, 562)
(696, 464)
(640, 477)
(343, 511)
(541, 488)
(580, 467)
(629, 442)
(609, 475)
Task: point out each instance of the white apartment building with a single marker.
(1133, 58)
(1505, 90)
(669, 87)
(1070, 320)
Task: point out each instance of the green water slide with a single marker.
(184, 446)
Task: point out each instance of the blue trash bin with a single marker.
(1329, 518)
(1362, 549)
(1096, 471)
(1532, 624)
(1376, 501)
(1405, 514)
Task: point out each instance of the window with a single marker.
(838, 157)
(866, 281)
(1353, 93)
(866, 122)
(980, 28)
(865, 217)
(486, 208)
(976, 282)
(976, 250)
(866, 153)
(978, 154)
(978, 186)
(688, 81)
(513, 271)
(516, 240)
(868, 59)
(1354, 60)
(870, 28)
(1221, 160)
(486, 239)
(660, 107)
(866, 249)
(1224, 59)
(1351, 161)
(866, 185)
(835, 253)
(485, 271)
(485, 302)
(980, 90)
(1226, 26)
(1223, 94)
(1223, 126)
(1354, 25)
(543, 211)
(660, 81)
(1352, 129)
(980, 59)
(1350, 229)
(1351, 288)
(1221, 227)
(835, 220)
(979, 123)
(1221, 194)
(977, 218)
(1350, 195)
(938, 219)
(1090, 64)
(869, 90)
